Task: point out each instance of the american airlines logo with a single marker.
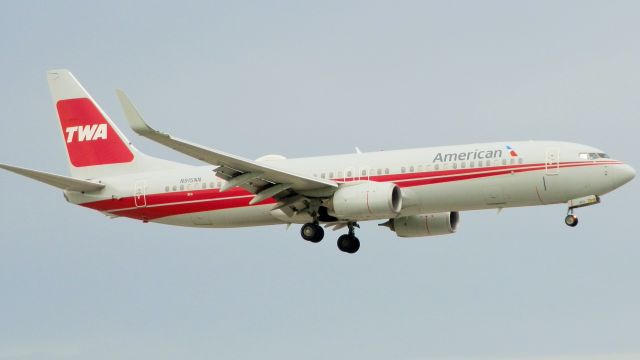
(469, 155)
(473, 155)
(86, 133)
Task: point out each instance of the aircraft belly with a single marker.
(228, 218)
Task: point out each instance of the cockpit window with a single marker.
(593, 156)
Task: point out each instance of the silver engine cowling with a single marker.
(424, 225)
(366, 201)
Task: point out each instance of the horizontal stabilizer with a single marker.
(59, 181)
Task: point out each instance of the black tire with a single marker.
(354, 245)
(342, 242)
(571, 220)
(312, 232)
(348, 243)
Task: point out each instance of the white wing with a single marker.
(260, 179)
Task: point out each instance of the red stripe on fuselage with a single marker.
(167, 198)
(476, 175)
(156, 212)
(184, 202)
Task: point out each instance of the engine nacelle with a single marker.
(424, 225)
(367, 200)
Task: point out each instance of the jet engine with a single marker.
(424, 225)
(367, 200)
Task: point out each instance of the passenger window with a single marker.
(403, 170)
(175, 188)
(204, 185)
(386, 171)
(471, 164)
(504, 161)
(212, 185)
(463, 164)
(411, 168)
(436, 167)
(323, 175)
(166, 189)
(349, 173)
(520, 161)
(181, 187)
(455, 165)
(364, 173)
(512, 161)
(331, 175)
(379, 171)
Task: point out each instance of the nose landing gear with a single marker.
(571, 220)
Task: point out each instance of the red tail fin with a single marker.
(89, 137)
(95, 146)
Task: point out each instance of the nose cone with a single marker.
(622, 174)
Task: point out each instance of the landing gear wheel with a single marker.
(312, 232)
(348, 243)
(571, 220)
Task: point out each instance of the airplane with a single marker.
(415, 192)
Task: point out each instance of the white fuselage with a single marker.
(438, 179)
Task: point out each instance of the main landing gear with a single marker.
(348, 243)
(312, 232)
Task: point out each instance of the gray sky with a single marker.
(303, 79)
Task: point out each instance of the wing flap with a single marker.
(59, 181)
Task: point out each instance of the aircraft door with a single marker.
(552, 162)
(551, 189)
(140, 193)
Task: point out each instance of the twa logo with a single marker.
(86, 133)
(89, 137)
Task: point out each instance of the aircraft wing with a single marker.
(59, 181)
(263, 180)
